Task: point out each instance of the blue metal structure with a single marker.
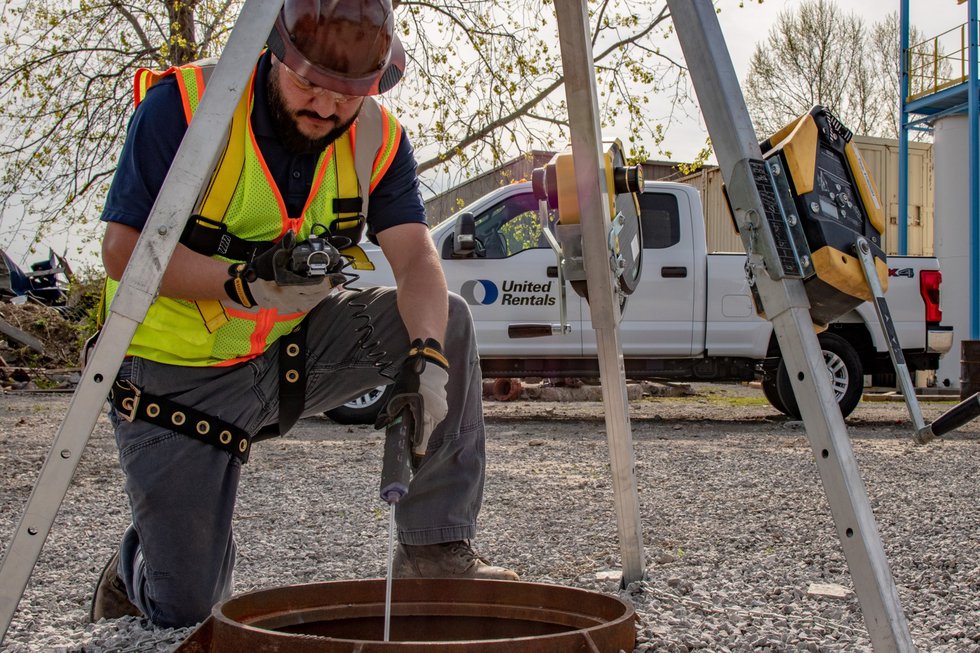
(943, 97)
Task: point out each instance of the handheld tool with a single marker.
(299, 263)
(404, 450)
(312, 258)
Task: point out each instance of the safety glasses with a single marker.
(307, 86)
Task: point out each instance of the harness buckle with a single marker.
(129, 404)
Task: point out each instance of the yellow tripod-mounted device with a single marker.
(824, 201)
(556, 190)
(826, 230)
(555, 185)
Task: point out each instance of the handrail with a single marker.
(930, 67)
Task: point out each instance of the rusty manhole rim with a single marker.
(593, 621)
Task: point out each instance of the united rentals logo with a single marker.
(483, 292)
(488, 290)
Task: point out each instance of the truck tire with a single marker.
(770, 388)
(364, 409)
(845, 371)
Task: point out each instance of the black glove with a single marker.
(280, 276)
(423, 375)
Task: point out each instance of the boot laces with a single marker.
(464, 551)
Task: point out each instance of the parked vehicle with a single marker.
(691, 319)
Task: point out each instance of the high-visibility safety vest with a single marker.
(243, 196)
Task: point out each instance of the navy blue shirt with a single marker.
(158, 124)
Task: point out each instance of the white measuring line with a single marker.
(391, 560)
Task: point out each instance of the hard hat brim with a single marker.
(381, 81)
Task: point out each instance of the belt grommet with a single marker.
(292, 349)
(243, 445)
(178, 418)
(203, 427)
(292, 376)
(153, 410)
(225, 437)
(127, 403)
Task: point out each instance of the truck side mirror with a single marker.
(464, 236)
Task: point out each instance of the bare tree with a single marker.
(819, 55)
(886, 71)
(66, 89)
(811, 56)
(485, 84)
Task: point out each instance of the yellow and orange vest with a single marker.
(243, 195)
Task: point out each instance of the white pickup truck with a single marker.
(690, 319)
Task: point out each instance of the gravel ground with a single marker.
(736, 527)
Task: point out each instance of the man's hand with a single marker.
(425, 372)
(285, 299)
(267, 282)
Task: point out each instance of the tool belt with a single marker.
(132, 403)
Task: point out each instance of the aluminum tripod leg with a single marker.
(963, 412)
(192, 166)
(786, 304)
(863, 252)
(583, 111)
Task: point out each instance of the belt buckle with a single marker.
(129, 404)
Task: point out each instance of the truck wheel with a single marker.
(364, 409)
(845, 371)
(770, 388)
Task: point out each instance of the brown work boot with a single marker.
(110, 600)
(447, 560)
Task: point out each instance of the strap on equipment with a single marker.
(292, 376)
(292, 382)
(354, 190)
(210, 237)
(132, 403)
(350, 206)
(217, 195)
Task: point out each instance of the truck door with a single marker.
(513, 280)
(659, 315)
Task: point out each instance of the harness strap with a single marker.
(132, 403)
(354, 190)
(370, 135)
(216, 196)
(210, 237)
(292, 377)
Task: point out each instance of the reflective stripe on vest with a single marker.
(184, 332)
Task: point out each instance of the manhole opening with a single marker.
(455, 615)
(427, 628)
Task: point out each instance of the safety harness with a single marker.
(131, 403)
(206, 233)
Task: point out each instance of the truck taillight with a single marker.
(929, 281)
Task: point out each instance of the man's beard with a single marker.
(292, 139)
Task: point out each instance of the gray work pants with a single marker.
(178, 554)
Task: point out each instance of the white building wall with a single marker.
(952, 236)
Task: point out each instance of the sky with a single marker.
(743, 29)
